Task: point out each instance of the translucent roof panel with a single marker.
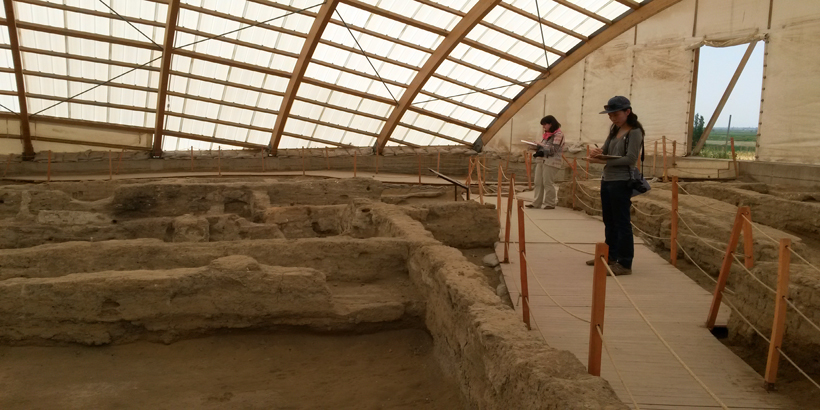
(231, 65)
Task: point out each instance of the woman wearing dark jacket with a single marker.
(624, 141)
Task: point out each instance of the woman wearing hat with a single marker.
(624, 143)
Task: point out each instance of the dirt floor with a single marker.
(385, 370)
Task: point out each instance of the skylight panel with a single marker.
(356, 139)
(8, 82)
(589, 27)
(264, 120)
(230, 132)
(375, 108)
(305, 128)
(196, 127)
(306, 110)
(385, 90)
(385, 26)
(613, 10)
(417, 137)
(421, 37)
(564, 17)
(242, 96)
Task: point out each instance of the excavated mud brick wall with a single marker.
(478, 339)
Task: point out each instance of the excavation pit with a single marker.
(354, 274)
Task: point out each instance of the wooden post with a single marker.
(574, 180)
(598, 308)
(674, 153)
(355, 160)
(528, 163)
(48, 177)
(8, 163)
(498, 194)
(119, 161)
(469, 179)
(748, 243)
(655, 160)
(479, 174)
(673, 245)
(779, 323)
(110, 166)
(510, 196)
(734, 156)
(522, 252)
(327, 159)
(418, 156)
(192, 158)
(726, 266)
(219, 161)
(664, 159)
(509, 154)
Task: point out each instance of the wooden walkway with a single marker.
(672, 302)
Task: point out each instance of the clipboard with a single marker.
(602, 156)
(530, 143)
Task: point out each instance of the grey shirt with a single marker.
(618, 169)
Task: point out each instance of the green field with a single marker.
(716, 146)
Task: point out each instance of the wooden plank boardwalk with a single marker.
(675, 305)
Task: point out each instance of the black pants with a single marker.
(615, 203)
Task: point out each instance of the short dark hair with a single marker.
(554, 124)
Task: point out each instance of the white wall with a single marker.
(652, 66)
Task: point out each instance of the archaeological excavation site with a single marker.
(416, 204)
(259, 292)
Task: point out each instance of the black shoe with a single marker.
(591, 262)
(529, 206)
(620, 270)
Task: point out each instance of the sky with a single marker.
(717, 65)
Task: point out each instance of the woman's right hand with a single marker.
(595, 152)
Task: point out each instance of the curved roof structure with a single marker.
(269, 74)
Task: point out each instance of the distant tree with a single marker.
(697, 131)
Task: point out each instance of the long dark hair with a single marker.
(631, 120)
(554, 124)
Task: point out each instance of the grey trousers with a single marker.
(545, 192)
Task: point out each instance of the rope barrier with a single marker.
(647, 214)
(618, 372)
(696, 235)
(777, 242)
(529, 270)
(740, 262)
(797, 367)
(702, 202)
(556, 239)
(701, 269)
(799, 312)
(588, 205)
(672, 351)
(647, 234)
(531, 315)
(581, 187)
(737, 311)
(759, 333)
